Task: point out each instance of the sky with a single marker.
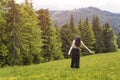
(108, 5)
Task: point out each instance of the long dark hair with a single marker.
(78, 41)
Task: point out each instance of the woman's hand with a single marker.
(92, 52)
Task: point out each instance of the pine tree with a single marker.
(66, 38)
(110, 41)
(87, 35)
(30, 36)
(72, 27)
(99, 44)
(58, 47)
(80, 27)
(45, 25)
(24, 35)
(3, 36)
(13, 31)
(50, 45)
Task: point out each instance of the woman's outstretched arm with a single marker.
(85, 47)
(71, 47)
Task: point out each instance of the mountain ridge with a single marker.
(63, 16)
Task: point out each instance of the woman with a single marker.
(74, 50)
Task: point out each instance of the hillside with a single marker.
(62, 17)
(94, 67)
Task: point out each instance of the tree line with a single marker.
(28, 37)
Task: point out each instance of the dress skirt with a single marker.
(75, 63)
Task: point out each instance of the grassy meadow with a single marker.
(93, 67)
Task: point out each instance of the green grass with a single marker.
(94, 67)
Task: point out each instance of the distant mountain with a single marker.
(61, 16)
